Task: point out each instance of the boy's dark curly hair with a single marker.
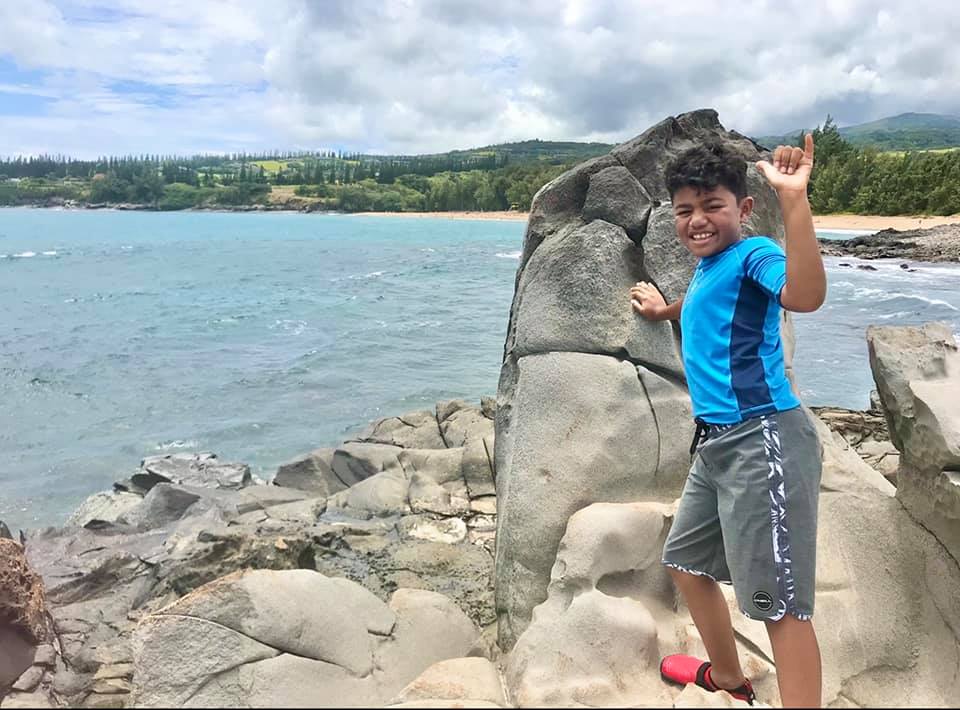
(706, 166)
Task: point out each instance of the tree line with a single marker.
(847, 178)
(863, 180)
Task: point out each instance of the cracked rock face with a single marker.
(917, 371)
(292, 639)
(592, 404)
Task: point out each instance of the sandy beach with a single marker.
(828, 221)
(514, 216)
(878, 222)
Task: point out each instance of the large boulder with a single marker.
(917, 371)
(293, 639)
(592, 402)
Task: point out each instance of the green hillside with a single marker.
(538, 150)
(907, 131)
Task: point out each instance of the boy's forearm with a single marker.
(672, 312)
(806, 286)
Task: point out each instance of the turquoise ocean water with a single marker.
(262, 336)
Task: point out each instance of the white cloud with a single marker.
(432, 75)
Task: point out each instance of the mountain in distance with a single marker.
(907, 131)
(556, 152)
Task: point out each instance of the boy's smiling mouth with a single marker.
(701, 236)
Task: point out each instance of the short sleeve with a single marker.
(765, 263)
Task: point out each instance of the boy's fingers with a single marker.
(808, 146)
(776, 156)
(796, 155)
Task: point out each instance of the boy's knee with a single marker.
(786, 623)
(682, 577)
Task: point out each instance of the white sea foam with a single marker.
(898, 314)
(24, 255)
(850, 232)
(371, 275)
(176, 444)
(509, 254)
(291, 326)
(888, 295)
(49, 253)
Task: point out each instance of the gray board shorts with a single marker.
(748, 514)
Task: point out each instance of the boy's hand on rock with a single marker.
(790, 171)
(647, 301)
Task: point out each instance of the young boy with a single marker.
(748, 512)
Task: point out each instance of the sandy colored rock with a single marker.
(413, 430)
(107, 507)
(422, 527)
(693, 696)
(917, 371)
(383, 493)
(594, 640)
(294, 638)
(575, 439)
(36, 699)
(456, 679)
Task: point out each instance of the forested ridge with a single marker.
(849, 176)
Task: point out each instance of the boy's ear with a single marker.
(746, 208)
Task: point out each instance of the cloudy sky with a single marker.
(90, 77)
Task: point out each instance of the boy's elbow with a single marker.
(805, 307)
(804, 303)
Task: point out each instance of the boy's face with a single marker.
(708, 221)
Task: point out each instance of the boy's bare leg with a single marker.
(797, 656)
(712, 617)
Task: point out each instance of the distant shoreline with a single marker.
(854, 222)
(512, 216)
(826, 222)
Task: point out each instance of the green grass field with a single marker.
(928, 150)
(270, 166)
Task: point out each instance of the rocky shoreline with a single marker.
(408, 503)
(934, 244)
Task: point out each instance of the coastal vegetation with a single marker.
(876, 168)
(865, 180)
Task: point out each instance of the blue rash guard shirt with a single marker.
(730, 323)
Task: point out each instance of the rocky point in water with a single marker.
(934, 244)
(364, 574)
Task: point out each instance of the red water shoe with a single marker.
(682, 669)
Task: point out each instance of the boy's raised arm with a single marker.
(806, 286)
